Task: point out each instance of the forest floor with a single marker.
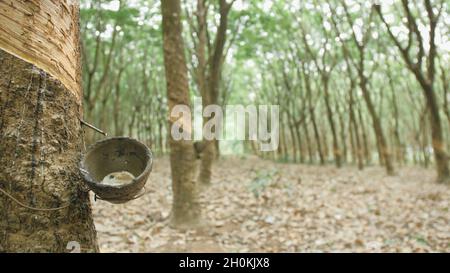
(255, 205)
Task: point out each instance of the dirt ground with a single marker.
(261, 206)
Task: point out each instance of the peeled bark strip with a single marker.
(46, 34)
(40, 132)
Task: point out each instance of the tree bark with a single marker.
(343, 134)
(365, 140)
(41, 135)
(354, 124)
(308, 143)
(185, 207)
(311, 110)
(301, 151)
(212, 72)
(336, 150)
(361, 46)
(437, 136)
(425, 78)
(293, 138)
(377, 127)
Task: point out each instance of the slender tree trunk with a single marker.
(308, 143)
(217, 148)
(366, 151)
(299, 143)
(336, 150)
(343, 135)
(213, 77)
(293, 139)
(399, 145)
(380, 152)
(311, 110)
(354, 124)
(185, 207)
(378, 129)
(446, 95)
(116, 113)
(424, 143)
(205, 87)
(160, 137)
(317, 136)
(426, 78)
(131, 124)
(41, 136)
(208, 154)
(326, 149)
(282, 148)
(437, 136)
(353, 148)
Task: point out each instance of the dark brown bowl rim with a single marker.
(93, 184)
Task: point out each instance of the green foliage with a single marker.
(268, 63)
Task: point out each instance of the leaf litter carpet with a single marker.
(254, 205)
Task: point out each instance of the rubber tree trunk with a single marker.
(317, 136)
(308, 143)
(41, 136)
(437, 135)
(204, 86)
(365, 140)
(336, 150)
(377, 127)
(301, 151)
(353, 125)
(343, 135)
(293, 139)
(212, 94)
(185, 207)
(282, 149)
(208, 154)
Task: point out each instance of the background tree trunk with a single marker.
(426, 78)
(185, 206)
(211, 70)
(336, 149)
